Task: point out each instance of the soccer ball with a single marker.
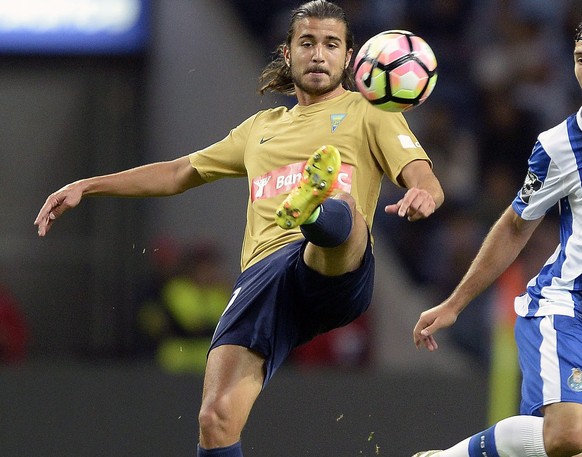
(395, 70)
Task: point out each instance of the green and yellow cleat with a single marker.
(316, 184)
(425, 453)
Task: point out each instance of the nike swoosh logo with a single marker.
(264, 140)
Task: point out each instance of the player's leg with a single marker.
(561, 374)
(347, 256)
(517, 436)
(563, 429)
(233, 380)
(548, 347)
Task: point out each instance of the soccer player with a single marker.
(548, 329)
(307, 262)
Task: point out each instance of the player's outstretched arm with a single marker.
(153, 180)
(501, 246)
(424, 196)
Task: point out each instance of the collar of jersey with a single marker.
(300, 110)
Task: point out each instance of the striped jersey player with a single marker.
(548, 328)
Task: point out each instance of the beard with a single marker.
(314, 88)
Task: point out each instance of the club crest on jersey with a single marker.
(531, 185)
(336, 120)
(575, 380)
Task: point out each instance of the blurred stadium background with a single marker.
(95, 86)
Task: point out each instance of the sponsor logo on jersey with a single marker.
(336, 120)
(284, 179)
(575, 380)
(531, 185)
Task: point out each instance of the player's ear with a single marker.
(348, 58)
(286, 55)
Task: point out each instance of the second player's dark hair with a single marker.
(276, 76)
(578, 33)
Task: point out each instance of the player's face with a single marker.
(578, 61)
(318, 57)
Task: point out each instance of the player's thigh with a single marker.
(563, 424)
(233, 379)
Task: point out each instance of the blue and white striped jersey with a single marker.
(555, 177)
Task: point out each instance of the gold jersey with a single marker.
(271, 147)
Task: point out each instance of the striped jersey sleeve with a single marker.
(554, 177)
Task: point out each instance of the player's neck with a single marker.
(304, 99)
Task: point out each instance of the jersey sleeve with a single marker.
(542, 187)
(226, 157)
(392, 142)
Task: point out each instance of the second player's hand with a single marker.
(429, 323)
(415, 205)
(55, 205)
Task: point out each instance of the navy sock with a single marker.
(234, 450)
(333, 225)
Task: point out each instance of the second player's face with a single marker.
(578, 61)
(318, 56)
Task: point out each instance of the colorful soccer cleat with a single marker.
(316, 184)
(425, 453)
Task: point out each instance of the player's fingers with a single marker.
(430, 343)
(46, 215)
(421, 207)
(392, 209)
(427, 341)
(410, 203)
(42, 214)
(44, 225)
(49, 205)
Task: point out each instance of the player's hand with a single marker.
(416, 204)
(429, 323)
(55, 205)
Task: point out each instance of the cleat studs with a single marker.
(330, 169)
(288, 223)
(307, 168)
(317, 157)
(279, 213)
(322, 185)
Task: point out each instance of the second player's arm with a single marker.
(501, 246)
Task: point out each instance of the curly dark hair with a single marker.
(276, 76)
(578, 33)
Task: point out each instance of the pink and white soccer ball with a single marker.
(395, 70)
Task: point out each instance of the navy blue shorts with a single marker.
(280, 303)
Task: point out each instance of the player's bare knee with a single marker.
(213, 420)
(348, 199)
(564, 441)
